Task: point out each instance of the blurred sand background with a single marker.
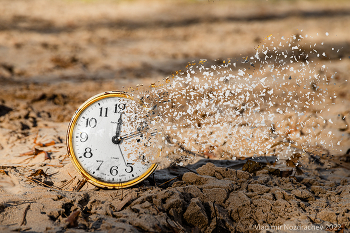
(56, 54)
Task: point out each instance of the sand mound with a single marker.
(210, 199)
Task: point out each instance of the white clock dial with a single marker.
(109, 141)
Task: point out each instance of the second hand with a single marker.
(122, 154)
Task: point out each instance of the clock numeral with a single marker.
(119, 107)
(143, 158)
(92, 122)
(114, 170)
(105, 112)
(87, 153)
(99, 161)
(129, 168)
(148, 143)
(83, 137)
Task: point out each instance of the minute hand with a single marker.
(134, 134)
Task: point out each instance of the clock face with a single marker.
(108, 141)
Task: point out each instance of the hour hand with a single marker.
(116, 139)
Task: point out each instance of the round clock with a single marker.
(109, 140)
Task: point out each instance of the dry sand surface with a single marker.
(56, 54)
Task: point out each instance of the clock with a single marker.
(110, 140)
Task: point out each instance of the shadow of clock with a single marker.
(166, 177)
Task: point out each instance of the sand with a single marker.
(55, 55)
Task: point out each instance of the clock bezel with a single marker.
(72, 155)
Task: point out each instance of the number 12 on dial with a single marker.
(107, 140)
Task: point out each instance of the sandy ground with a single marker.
(56, 54)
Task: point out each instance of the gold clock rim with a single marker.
(75, 161)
